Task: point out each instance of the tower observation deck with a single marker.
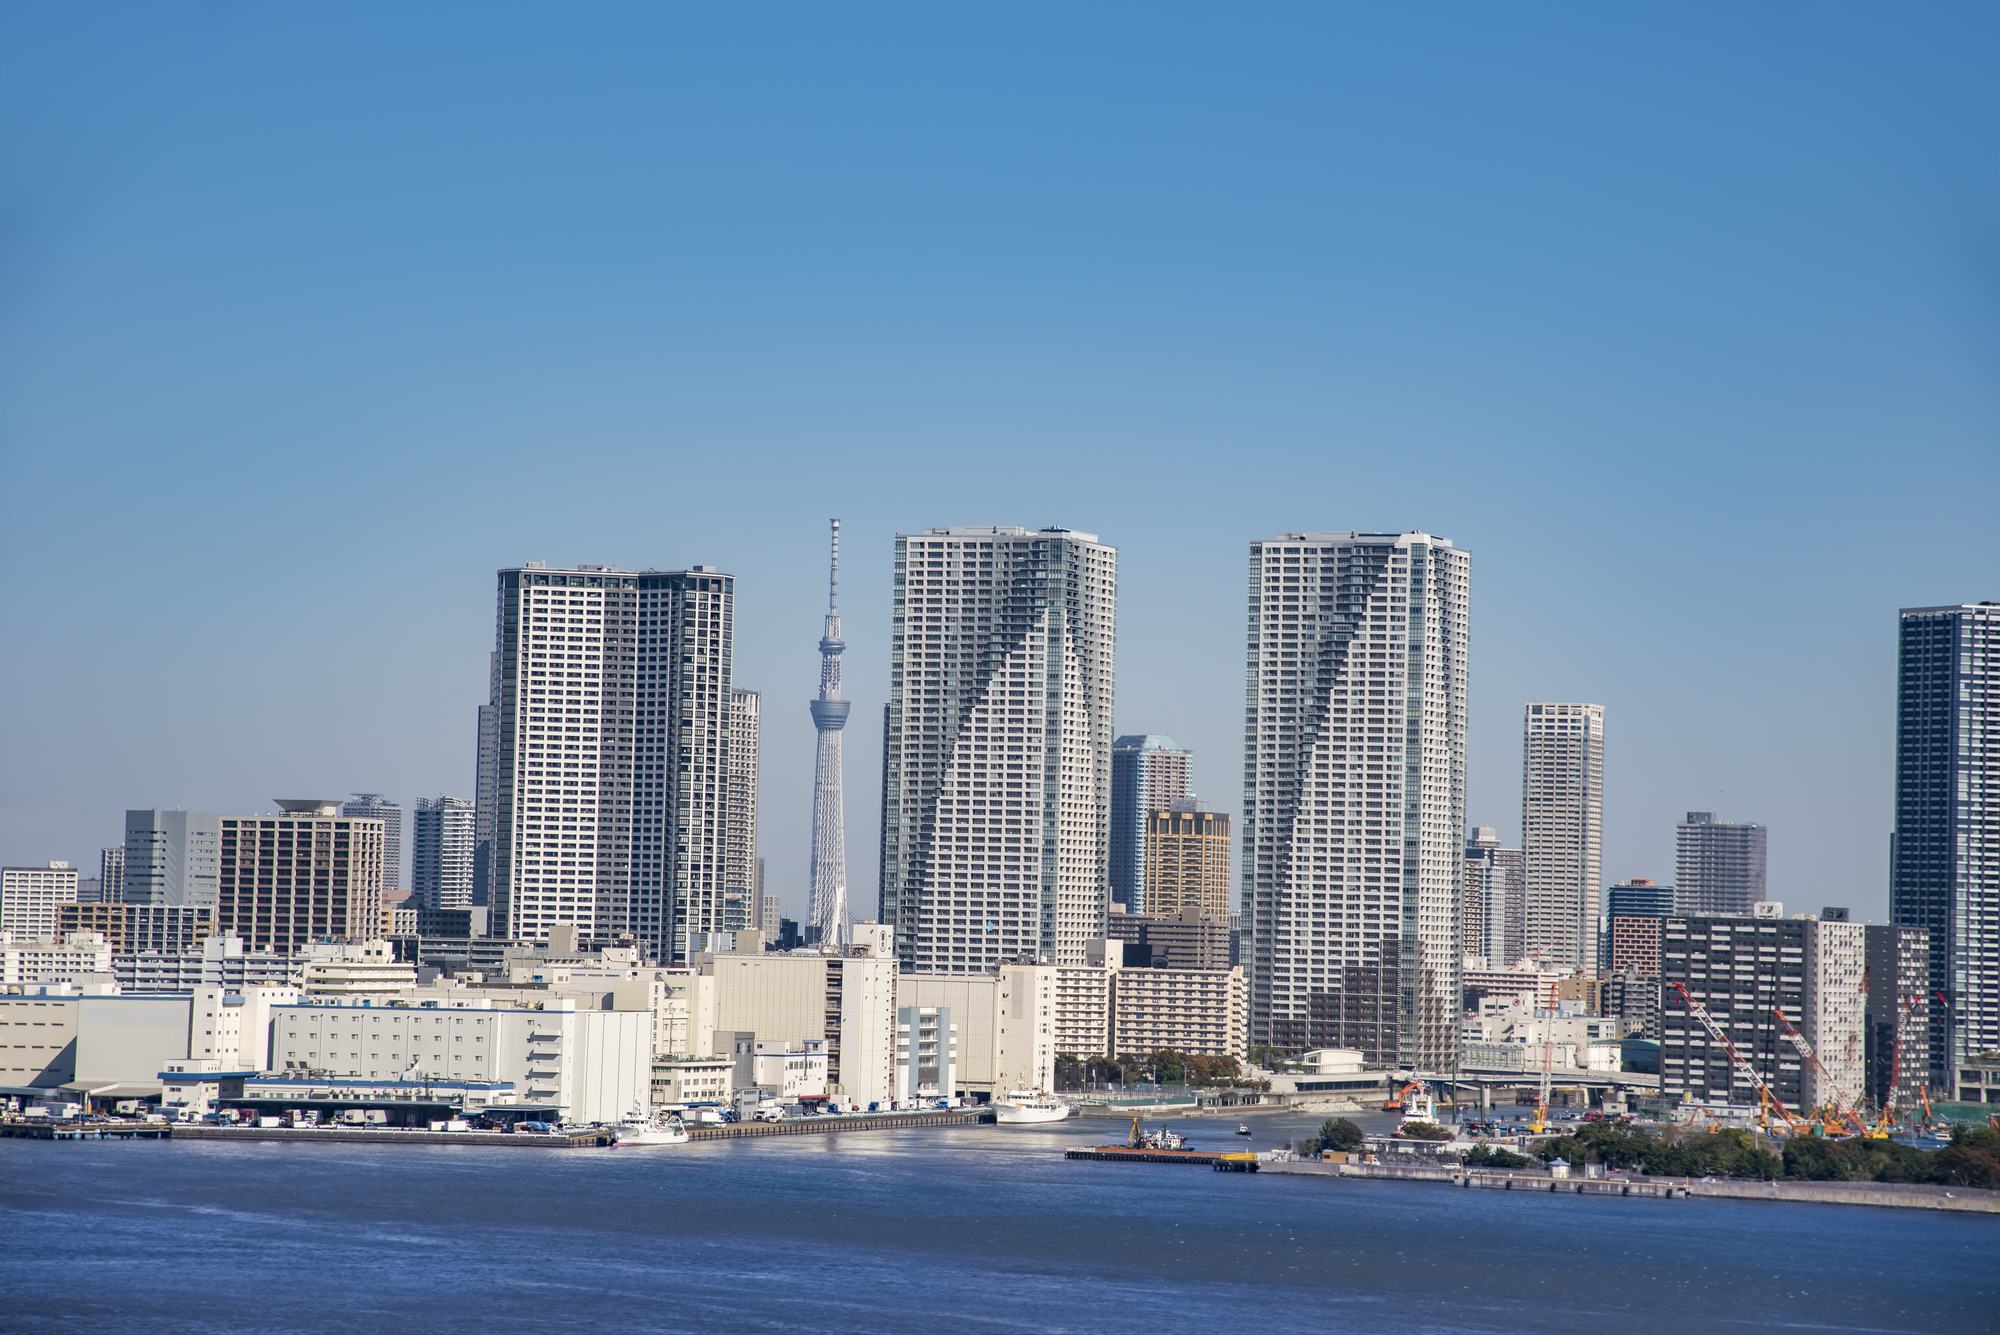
(828, 925)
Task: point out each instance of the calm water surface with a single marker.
(972, 1229)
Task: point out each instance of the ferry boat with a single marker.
(638, 1130)
(1028, 1107)
(1242, 1128)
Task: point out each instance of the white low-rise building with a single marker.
(72, 958)
(688, 1079)
(355, 968)
(222, 961)
(233, 1025)
(594, 1064)
(846, 999)
(1006, 1023)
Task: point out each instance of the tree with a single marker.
(1483, 1155)
(1069, 1070)
(1423, 1131)
(1337, 1133)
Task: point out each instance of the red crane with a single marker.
(1765, 1097)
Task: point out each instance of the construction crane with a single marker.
(1767, 1100)
(1541, 1122)
(1819, 1068)
(1880, 1130)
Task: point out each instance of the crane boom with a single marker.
(1765, 1094)
(1819, 1068)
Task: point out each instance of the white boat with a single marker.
(1419, 1107)
(636, 1130)
(1026, 1107)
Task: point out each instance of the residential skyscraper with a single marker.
(171, 857)
(30, 899)
(1187, 859)
(1944, 858)
(614, 732)
(111, 875)
(375, 806)
(739, 852)
(1496, 898)
(1719, 865)
(1354, 793)
(441, 855)
(827, 892)
(1619, 945)
(486, 786)
(996, 758)
(1897, 1014)
(1562, 830)
(1147, 773)
(307, 874)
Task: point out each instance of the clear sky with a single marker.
(1684, 320)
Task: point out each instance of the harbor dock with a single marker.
(1220, 1161)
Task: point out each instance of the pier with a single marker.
(1221, 1161)
(83, 1130)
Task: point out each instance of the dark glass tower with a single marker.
(1944, 858)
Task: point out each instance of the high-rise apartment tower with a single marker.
(611, 807)
(171, 857)
(1496, 898)
(486, 786)
(1944, 858)
(1354, 793)
(1187, 859)
(375, 806)
(827, 893)
(1562, 830)
(307, 874)
(1147, 773)
(739, 853)
(996, 758)
(441, 853)
(1719, 865)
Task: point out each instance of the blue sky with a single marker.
(1683, 320)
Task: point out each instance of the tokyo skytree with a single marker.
(829, 847)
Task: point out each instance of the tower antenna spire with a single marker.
(828, 924)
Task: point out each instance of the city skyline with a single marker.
(1556, 313)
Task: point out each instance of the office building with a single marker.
(1944, 859)
(1562, 830)
(442, 853)
(133, 928)
(1896, 1014)
(31, 898)
(304, 875)
(75, 957)
(111, 875)
(171, 857)
(374, 806)
(1187, 859)
(826, 892)
(996, 768)
(1005, 1024)
(1496, 898)
(612, 779)
(1354, 793)
(739, 844)
(1719, 865)
(486, 787)
(1526, 981)
(1632, 913)
(1148, 772)
(594, 1064)
(846, 997)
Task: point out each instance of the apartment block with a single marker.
(1190, 939)
(1834, 1019)
(1496, 898)
(443, 853)
(1562, 825)
(75, 957)
(739, 852)
(376, 806)
(111, 875)
(1944, 857)
(1354, 793)
(1148, 771)
(1187, 859)
(1897, 1015)
(996, 792)
(1741, 970)
(31, 898)
(304, 875)
(217, 961)
(1633, 911)
(1719, 865)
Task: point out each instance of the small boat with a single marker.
(1243, 1128)
(1029, 1107)
(637, 1130)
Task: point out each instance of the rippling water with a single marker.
(973, 1229)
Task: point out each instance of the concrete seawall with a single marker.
(1896, 1195)
(588, 1139)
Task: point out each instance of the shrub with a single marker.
(1483, 1155)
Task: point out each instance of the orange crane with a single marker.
(1541, 1122)
(1395, 1103)
(1766, 1099)
(1819, 1068)
(1880, 1130)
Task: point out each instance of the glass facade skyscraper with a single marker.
(1944, 860)
(1147, 772)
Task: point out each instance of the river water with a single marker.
(959, 1229)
